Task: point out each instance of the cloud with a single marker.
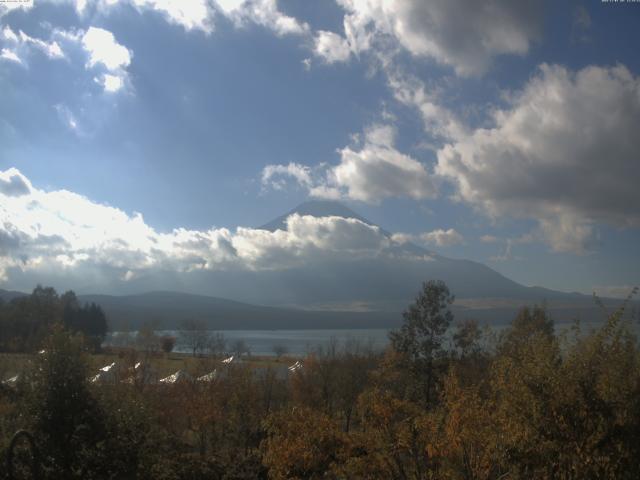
(103, 48)
(442, 238)
(6, 7)
(331, 47)
(370, 173)
(439, 122)
(63, 232)
(22, 45)
(463, 34)
(105, 51)
(438, 237)
(489, 239)
(10, 55)
(261, 12)
(563, 152)
(189, 14)
(13, 183)
(272, 175)
(507, 253)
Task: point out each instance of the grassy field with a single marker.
(165, 364)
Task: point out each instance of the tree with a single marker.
(195, 335)
(239, 347)
(280, 350)
(147, 339)
(467, 338)
(67, 420)
(420, 337)
(167, 343)
(530, 323)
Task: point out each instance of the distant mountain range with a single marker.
(360, 293)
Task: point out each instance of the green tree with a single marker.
(66, 418)
(421, 336)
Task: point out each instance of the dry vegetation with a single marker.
(527, 405)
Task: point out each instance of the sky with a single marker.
(155, 135)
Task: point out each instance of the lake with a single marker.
(302, 342)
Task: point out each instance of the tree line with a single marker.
(26, 321)
(524, 403)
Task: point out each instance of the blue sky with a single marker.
(502, 132)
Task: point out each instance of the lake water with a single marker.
(302, 342)
(296, 342)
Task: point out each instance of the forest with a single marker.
(447, 399)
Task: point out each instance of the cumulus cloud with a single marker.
(103, 48)
(13, 183)
(438, 237)
(563, 152)
(105, 51)
(331, 47)
(464, 34)
(370, 173)
(442, 238)
(62, 231)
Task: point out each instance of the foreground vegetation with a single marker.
(525, 404)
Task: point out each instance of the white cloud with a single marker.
(438, 237)
(439, 122)
(190, 14)
(272, 175)
(104, 50)
(10, 55)
(261, 12)
(331, 47)
(563, 152)
(111, 83)
(464, 34)
(13, 183)
(442, 238)
(44, 231)
(6, 7)
(378, 170)
(23, 44)
(371, 173)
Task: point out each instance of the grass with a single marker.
(165, 364)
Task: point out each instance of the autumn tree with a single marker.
(301, 443)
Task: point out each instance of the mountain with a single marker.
(327, 291)
(167, 310)
(316, 208)
(8, 295)
(466, 278)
